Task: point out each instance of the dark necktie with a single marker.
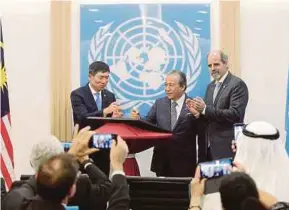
(173, 114)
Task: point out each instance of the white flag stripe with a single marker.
(7, 160)
(7, 125)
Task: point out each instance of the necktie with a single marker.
(98, 101)
(217, 88)
(173, 114)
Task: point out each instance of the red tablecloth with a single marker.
(137, 140)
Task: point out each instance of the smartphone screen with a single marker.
(103, 141)
(238, 128)
(66, 146)
(216, 168)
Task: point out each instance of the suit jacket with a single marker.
(119, 198)
(181, 150)
(219, 118)
(83, 106)
(93, 191)
(37, 203)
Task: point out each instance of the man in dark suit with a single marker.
(93, 186)
(224, 105)
(177, 158)
(90, 187)
(93, 100)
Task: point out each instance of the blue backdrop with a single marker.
(142, 43)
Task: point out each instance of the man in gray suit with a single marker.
(224, 105)
(177, 158)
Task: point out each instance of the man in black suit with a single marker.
(177, 158)
(93, 100)
(55, 183)
(93, 188)
(224, 105)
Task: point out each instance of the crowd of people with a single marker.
(202, 131)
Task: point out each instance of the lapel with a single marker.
(90, 97)
(183, 113)
(224, 85)
(104, 99)
(167, 109)
(211, 88)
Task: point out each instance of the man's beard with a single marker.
(216, 76)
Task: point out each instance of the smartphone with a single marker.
(66, 146)
(216, 168)
(103, 141)
(238, 129)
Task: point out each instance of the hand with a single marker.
(191, 107)
(197, 184)
(117, 114)
(134, 114)
(238, 167)
(113, 107)
(199, 104)
(234, 146)
(79, 147)
(118, 153)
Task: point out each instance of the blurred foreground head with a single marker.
(43, 150)
(56, 178)
(263, 153)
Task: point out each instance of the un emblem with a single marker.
(140, 52)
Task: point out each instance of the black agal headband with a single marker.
(251, 134)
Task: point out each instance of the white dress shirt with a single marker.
(94, 93)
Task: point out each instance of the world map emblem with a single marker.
(141, 51)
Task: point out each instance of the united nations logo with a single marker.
(140, 52)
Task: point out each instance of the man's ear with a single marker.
(36, 175)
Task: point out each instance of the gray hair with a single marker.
(43, 150)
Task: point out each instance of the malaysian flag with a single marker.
(7, 159)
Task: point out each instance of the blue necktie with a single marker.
(98, 101)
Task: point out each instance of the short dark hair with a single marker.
(236, 189)
(56, 176)
(183, 78)
(98, 66)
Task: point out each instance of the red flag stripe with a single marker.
(8, 163)
(5, 127)
(5, 173)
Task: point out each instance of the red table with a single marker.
(138, 139)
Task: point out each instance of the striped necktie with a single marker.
(217, 88)
(173, 114)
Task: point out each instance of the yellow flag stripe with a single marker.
(1, 44)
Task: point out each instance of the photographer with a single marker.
(93, 189)
(237, 191)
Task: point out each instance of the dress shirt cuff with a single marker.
(86, 165)
(204, 110)
(117, 172)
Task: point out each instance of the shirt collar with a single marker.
(223, 78)
(180, 101)
(94, 92)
